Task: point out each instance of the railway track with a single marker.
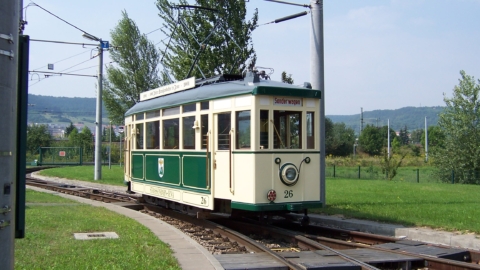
(241, 244)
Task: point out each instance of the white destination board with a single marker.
(168, 89)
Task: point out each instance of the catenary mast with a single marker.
(9, 28)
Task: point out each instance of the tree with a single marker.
(37, 136)
(339, 139)
(82, 139)
(403, 136)
(371, 140)
(396, 145)
(135, 71)
(460, 125)
(435, 138)
(69, 129)
(384, 131)
(287, 79)
(226, 50)
(417, 135)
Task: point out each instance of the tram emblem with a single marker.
(161, 168)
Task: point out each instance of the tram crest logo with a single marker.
(161, 167)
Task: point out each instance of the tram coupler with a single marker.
(305, 219)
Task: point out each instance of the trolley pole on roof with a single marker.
(9, 42)
(317, 70)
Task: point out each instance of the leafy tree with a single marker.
(82, 139)
(417, 135)
(219, 53)
(136, 69)
(436, 137)
(460, 125)
(287, 79)
(396, 144)
(371, 140)
(69, 129)
(384, 131)
(339, 139)
(37, 136)
(403, 136)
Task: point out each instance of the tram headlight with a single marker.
(289, 174)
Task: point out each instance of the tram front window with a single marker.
(287, 127)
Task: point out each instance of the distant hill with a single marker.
(48, 109)
(411, 117)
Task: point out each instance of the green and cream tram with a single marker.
(225, 144)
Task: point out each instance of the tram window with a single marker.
(204, 129)
(153, 135)
(171, 111)
(188, 132)
(204, 105)
(139, 116)
(153, 114)
(223, 128)
(170, 133)
(310, 131)
(243, 130)
(139, 136)
(264, 129)
(190, 107)
(287, 129)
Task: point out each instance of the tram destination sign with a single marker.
(284, 101)
(168, 89)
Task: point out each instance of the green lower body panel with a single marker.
(294, 206)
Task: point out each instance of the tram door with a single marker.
(221, 150)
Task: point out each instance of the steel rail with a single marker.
(439, 263)
(224, 231)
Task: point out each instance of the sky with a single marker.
(379, 55)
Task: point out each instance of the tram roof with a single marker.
(222, 90)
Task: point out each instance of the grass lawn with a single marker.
(113, 176)
(444, 206)
(405, 174)
(50, 244)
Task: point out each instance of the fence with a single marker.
(60, 156)
(77, 155)
(407, 174)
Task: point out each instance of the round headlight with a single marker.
(289, 174)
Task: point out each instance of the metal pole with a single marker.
(426, 141)
(388, 137)
(98, 122)
(110, 148)
(9, 25)
(318, 80)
